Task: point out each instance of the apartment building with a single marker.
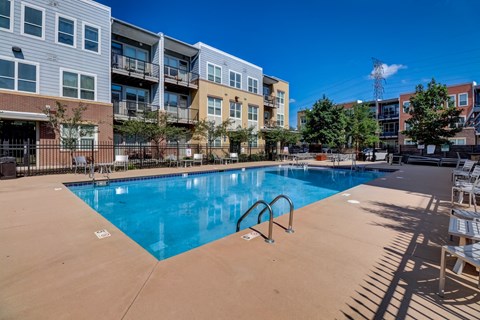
(462, 97)
(53, 51)
(392, 114)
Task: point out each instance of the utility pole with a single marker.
(378, 80)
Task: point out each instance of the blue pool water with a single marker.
(170, 215)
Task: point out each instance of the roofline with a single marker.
(472, 83)
(136, 27)
(201, 44)
(179, 41)
(276, 78)
(98, 5)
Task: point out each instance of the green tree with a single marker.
(240, 135)
(325, 124)
(208, 130)
(433, 116)
(153, 126)
(68, 125)
(280, 134)
(362, 127)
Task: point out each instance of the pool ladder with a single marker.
(268, 206)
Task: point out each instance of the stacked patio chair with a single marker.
(470, 185)
(463, 171)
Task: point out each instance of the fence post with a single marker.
(26, 156)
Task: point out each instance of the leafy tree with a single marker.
(240, 135)
(208, 130)
(68, 124)
(362, 127)
(325, 124)
(433, 117)
(152, 126)
(280, 134)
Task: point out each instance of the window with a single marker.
(79, 86)
(458, 141)
(281, 98)
(66, 31)
(214, 73)
(214, 107)
(303, 120)
(408, 126)
(20, 76)
(462, 99)
(78, 137)
(460, 123)
(235, 110)
(217, 142)
(91, 38)
(33, 21)
(452, 101)
(253, 113)
(406, 106)
(252, 85)
(235, 80)
(6, 14)
(254, 141)
(409, 142)
(280, 120)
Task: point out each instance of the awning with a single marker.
(130, 31)
(180, 47)
(269, 80)
(30, 116)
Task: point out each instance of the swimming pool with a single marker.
(171, 215)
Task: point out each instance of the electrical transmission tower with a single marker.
(377, 88)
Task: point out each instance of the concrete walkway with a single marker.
(375, 259)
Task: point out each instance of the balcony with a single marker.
(181, 114)
(126, 67)
(181, 77)
(126, 109)
(389, 134)
(388, 116)
(269, 101)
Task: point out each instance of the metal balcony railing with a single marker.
(181, 114)
(128, 108)
(388, 115)
(180, 76)
(134, 66)
(270, 101)
(389, 134)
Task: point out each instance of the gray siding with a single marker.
(52, 56)
(227, 63)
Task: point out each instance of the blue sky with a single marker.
(326, 47)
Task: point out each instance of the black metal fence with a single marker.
(54, 158)
(465, 151)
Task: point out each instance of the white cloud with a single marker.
(389, 70)
(292, 100)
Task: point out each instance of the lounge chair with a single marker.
(469, 253)
(121, 161)
(80, 162)
(198, 158)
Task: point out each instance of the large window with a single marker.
(458, 141)
(235, 79)
(20, 76)
(6, 14)
(252, 85)
(214, 73)
(281, 97)
(214, 106)
(452, 102)
(77, 85)
(406, 106)
(280, 120)
(33, 21)
(91, 38)
(66, 31)
(463, 99)
(235, 110)
(79, 137)
(253, 113)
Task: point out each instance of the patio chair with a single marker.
(465, 214)
(463, 171)
(80, 162)
(217, 159)
(472, 187)
(172, 160)
(234, 157)
(198, 158)
(121, 161)
(469, 253)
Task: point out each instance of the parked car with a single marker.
(380, 154)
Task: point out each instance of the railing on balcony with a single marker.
(270, 101)
(388, 134)
(181, 114)
(128, 108)
(388, 115)
(135, 67)
(179, 76)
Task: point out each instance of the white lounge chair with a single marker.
(121, 161)
(80, 162)
(198, 158)
(469, 253)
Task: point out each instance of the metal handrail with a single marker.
(290, 218)
(270, 224)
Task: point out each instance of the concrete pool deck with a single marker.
(375, 259)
